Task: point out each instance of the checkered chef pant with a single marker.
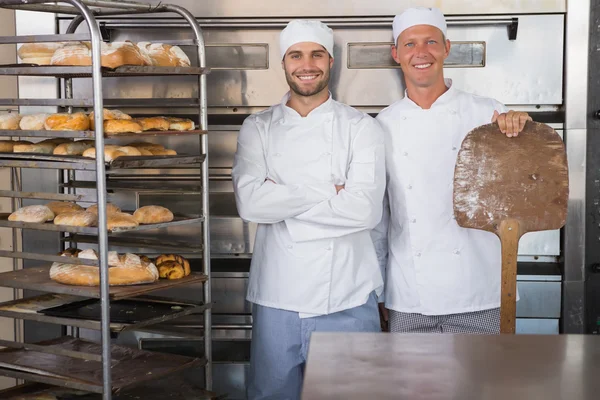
(479, 322)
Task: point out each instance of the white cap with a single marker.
(303, 30)
(419, 16)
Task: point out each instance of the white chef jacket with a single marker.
(313, 253)
(434, 267)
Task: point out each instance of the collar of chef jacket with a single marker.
(443, 101)
(292, 115)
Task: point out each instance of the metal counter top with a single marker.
(467, 367)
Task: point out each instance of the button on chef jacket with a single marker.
(313, 252)
(434, 267)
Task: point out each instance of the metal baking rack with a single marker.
(71, 362)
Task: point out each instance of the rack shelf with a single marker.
(129, 366)
(91, 134)
(38, 278)
(86, 71)
(33, 309)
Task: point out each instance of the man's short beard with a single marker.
(296, 89)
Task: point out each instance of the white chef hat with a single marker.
(303, 30)
(419, 16)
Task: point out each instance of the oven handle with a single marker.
(512, 23)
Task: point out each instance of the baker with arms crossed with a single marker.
(311, 172)
(440, 277)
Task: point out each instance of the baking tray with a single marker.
(129, 367)
(127, 311)
(38, 278)
(32, 309)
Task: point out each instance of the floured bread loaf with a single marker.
(33, 122)
(38, 53)
(110, 209)
(127, 269)
(73, 148)
(10, 122)
(120, 220)
(122, 53)
(154, 123)
(67, 122)
(109, 153)
(109, 114)
(153, 215)
(73, 53)
(180, 124)
(35, 214)
(164, 55)
(113, 126)
(76, 218)
(60, 207)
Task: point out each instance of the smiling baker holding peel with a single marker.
(440, 277)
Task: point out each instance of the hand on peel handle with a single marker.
(512, 122)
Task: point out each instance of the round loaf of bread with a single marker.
(120, 221)
(10, 121)
(38, 53)
(115, 126)
(163, 152)
(154, 123)
(41, 148)
(72, 148)
(61, 207)
(109, 114)
(147, 146)
(117, 54)
(123, 270)
(75, 53)
(109, 153)
(164, 55)
(35, 214)
(33, 122)
(76, 218)
(67, 122)
(153, 215)
(181, 124)
(110, 209)
(130, 151)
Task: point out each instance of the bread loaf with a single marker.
(70, 252)
(67, 122)
(173, 258)
(130, 151)
(7, 146)
(10, 121)
(122, 53)
(120, 221)
(35, 214)
(72, 148)
(109, 153)
(74, 53)
(153, 123)
(38, 53)
(76, 218)
(164, 55)
(110, 209)
(41, 148)
(60, 207)
(153, 215)
(171, 270)
(114, 126)
(163, 152)
(181, 124)
(108, 114)
(145, 152)
(128, 269)
(33, 122)
(147, 146)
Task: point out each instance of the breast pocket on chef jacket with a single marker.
(362, 167)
